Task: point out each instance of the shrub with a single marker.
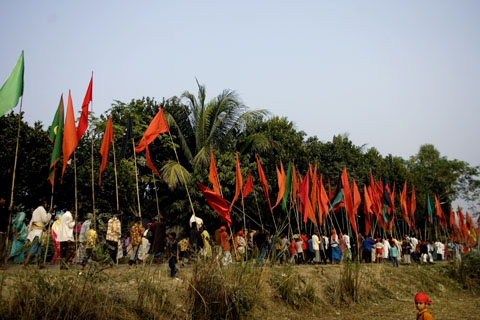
(466, 272)
(292, 288)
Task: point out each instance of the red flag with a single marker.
(239, 183)
(440, 214)
(281, 177)
(294, 185)
(157, 126)
(357, 200)
(217, 203)
(367, 208)
(347, 195)
(263, 181)
(70, 140)
(213, 175)
(413, 207)
(452, 218)
(403, 203)
(461, 224)
(314, 193)
(248, 186)
(323, 200)
(107, 139)
(149, 161)
(83, 122)
(303, 195)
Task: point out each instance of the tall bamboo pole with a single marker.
(183, 178)
(76, 203)
(156, 193)
(16, 154)
(258, 208)
(136, 178)
(93, 181)
(115, 173)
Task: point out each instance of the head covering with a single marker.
(240, 233)
(89, 216)
(378, 239)
(422, 298)
(19, 219)
(223, 228)
(148, 225)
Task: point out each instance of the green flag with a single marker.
(12, 89)
(56, 137)
(288, 187)
(430, 209)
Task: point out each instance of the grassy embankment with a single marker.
(243, 291)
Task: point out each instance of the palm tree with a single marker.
(203, 125)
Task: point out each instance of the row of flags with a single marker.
(378, 199)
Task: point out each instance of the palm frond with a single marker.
(173, 173)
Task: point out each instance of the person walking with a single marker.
(66, 239)
(40, 218)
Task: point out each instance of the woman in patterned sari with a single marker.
(20, 235)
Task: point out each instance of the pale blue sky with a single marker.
(392, 74)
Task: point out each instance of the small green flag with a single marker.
(56, 137)
(288, 187)
(430, 209)
(12, 89)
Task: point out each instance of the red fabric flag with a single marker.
(413, 207)
(314, 193)
(239, 182)
(403, 203)
(440, 214)
(83, 122)
(347, 196)
(217, 203)
(323, 200)
(248, 186)
(213, 175)
(452, 218)
(107, 139)
(149, 162)
(303, 195)
(470, 224)
(157, 126)
(263, 181)
(281, 178)
(357, 200)
(70, 140)
(294, 185)
(367, 208)
(461, 224)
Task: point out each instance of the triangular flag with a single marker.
(217, 203)
(12, 89)
(264, 183)
(213, 175)
(70, 140)
(239, 182)
(107, 139)
(56, 136)
(248, 186)
(83, 122)
(157, 126)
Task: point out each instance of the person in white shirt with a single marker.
(440, 250)
(316, 247)
(386, 249)
(65, 237)
(348, 251)
(40, 219)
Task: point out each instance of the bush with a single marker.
(218, 292)
(352, 286)
(466, 272)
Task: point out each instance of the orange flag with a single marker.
(347, 195)
(294, 184)
(440, 214)
(70, 140)
(217, 203)
(107, 139)
(239, 183)
(413, 205)
(281, 177)
(323, 200)
(314, 193)
(367, 208)
(157, 126)
(304, 198)
(403, 203)
(264, 183)
(248, 186)
(357, 200)
(213, 175)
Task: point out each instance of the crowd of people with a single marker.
(148, 241)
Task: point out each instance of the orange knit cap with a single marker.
(422, 298)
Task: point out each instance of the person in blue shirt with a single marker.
(311, 252)
(367, 249)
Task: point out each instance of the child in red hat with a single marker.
(421, 302)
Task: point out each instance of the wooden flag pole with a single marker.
(76, 204)
(136, 178)
(16, 153)
(156, 193)
(93, 181)
(115, 173)
(184, 181)
(258, 208)
(51, 197)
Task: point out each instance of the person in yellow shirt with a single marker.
(421, 302)
(90, 245)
